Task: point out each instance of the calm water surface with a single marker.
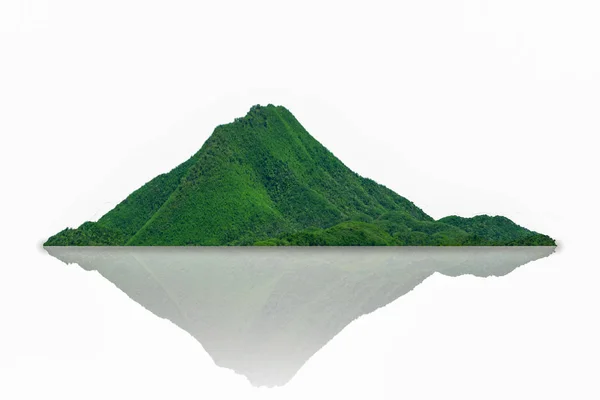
(263, 312)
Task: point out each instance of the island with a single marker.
(263, 180)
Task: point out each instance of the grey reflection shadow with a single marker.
(263, 312)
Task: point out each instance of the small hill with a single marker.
(264, 180)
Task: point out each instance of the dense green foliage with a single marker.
(489, 231)
(400, 229)
(133, 212)
(264, 180)
(348, 233)
(88, 234)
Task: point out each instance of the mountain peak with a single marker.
(258, 109)
(257, 115)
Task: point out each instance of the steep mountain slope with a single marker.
(263, 179)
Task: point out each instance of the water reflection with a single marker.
(264, 312)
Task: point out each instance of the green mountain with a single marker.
(264, 180)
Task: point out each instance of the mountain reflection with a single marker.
(263, 312)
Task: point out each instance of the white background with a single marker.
(464, 107)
